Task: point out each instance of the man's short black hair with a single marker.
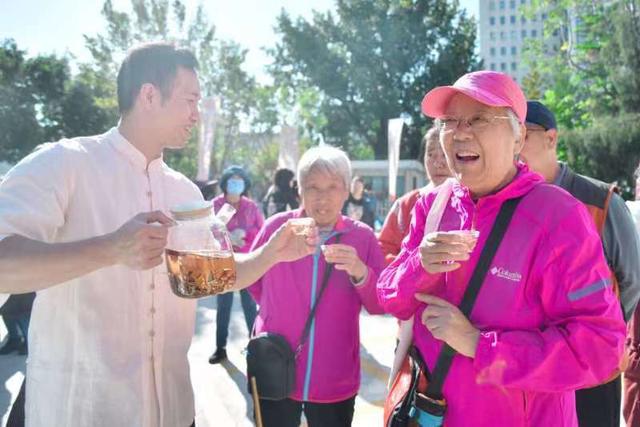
(156, 63)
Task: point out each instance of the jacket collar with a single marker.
(131, 153)
(521, 184)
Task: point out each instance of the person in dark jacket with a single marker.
(281, 196)
(16, 313)
(598, 406)
(359, 205)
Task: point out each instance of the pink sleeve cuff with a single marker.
(484, 361)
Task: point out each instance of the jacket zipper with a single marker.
(312, 329)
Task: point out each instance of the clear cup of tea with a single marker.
(467, 237)
(199, 254)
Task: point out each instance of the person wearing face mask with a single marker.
(243, 227)
(359, 205)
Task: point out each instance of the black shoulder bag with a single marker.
(427, 407)
(270, 358)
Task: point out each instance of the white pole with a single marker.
(394, 132)
(208, 120)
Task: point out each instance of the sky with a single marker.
(46, 26)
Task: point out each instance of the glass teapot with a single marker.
(199, 254)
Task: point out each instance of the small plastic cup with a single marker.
(326, 249)
(302, 226)
(468, 237)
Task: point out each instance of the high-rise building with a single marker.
(504, 30)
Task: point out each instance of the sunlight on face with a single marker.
(435, 163)
(179, 112)
(482, 160)
(323, 196)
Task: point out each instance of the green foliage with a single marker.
(532, 85)
(40, 101)
(347, 74)
(221, 73)
(609, 149)
(185, 159)
(592, 83)
(88, 105)
(594, 72)
(21, 131)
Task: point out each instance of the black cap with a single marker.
(538, 114)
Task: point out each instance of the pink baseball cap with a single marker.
(488, 87)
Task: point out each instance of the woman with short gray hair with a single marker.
(327, 159)
(348, 259)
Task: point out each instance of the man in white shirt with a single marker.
(82, 223)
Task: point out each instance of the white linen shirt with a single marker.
(109, 348)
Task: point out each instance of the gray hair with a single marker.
(325, 159)
(515, 124)
(433, 132)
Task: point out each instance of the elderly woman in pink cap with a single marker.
(544, 320)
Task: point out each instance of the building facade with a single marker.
(503, 32)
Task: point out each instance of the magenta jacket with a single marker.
(328, 368)
(549, 319)
(248, 217)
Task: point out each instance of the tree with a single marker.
(370, 62)
(30, 94)
(88, 107)
(608, 149)
(20, 129)
(591, 83)
(40, 101)
(220, 67)
(594, 72)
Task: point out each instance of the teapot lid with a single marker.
(195, 209)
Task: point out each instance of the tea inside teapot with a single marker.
(202, 273)
(199, 254)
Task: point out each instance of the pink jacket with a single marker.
(549, 319)
(328, 368)
(248, 217)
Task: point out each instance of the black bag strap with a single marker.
(434, 389)
(312, 313)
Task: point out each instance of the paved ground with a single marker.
(220, 390)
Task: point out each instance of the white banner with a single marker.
(208, 120)
(289, 152)
(394, 135)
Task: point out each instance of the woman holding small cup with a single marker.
(328, 366)
(546, 320)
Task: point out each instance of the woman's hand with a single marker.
(441, 251)
(446, 322)
(345, 258)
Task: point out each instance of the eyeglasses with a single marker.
(476, 123)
